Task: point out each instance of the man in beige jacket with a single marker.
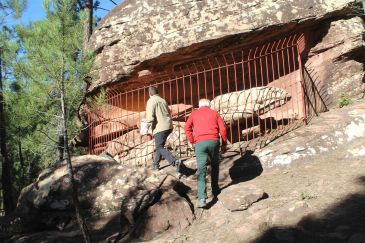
(158, 115)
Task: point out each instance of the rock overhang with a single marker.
(150, 35)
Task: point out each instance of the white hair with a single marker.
(204, 102)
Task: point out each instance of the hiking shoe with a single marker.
(201, 203)
(177, 164)
(156, 167)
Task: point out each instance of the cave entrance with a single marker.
(260, 93)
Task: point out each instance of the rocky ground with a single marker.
(314, 188)
(306, 186)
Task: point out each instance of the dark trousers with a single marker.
(160, 140)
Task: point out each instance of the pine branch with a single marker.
(102, 9)
(44, 133)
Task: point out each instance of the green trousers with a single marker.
(203, 150)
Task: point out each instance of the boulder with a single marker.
(125, 143)
(240, 197)
(106, 189)
(244, 104)
(139, 155)
(178, 141)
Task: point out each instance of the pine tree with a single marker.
(12, 8)
(55, 61)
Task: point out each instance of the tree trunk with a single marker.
(22, 164)
(60, 147)
(75, 198)
(7, 187)
(88, 25)
(80, 218)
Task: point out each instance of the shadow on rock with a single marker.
(244, 169)
(186, 171)
(343, 222)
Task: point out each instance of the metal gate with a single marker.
(257, 91)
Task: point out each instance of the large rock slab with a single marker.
(240, 197)
(106, 189)
(326, 133)
(149, 35)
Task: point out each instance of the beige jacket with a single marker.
(158, 114)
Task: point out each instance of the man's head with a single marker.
(204, 103)
(152, 90)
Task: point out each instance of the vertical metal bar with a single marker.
(178, 113)
(220, 82)
(109, 136)
(294, 49)
(267, 82)
(228, 81)
(212, 73)
(139, 120)
(302, 87)
(170, 87)
(237, 100)
(163, 89)
(197, 79)
(244, 88)
(262, 85)
(127, 129)
(220, 77)
(284, 81)
(226, 64)
(101, 132)
(184, 97)
(89, 132)
(256, 86)
(250, 93)
(279, 73)
(273, 79)
(145, 98)
(131, 131)
(205, 80)
(289, 48)
(191, 88)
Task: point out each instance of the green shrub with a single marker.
(344, 100)
(307, 195)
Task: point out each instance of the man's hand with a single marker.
(223, 149)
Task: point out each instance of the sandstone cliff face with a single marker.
(336, 61)
(153, 35)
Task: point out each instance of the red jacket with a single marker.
(205, 124)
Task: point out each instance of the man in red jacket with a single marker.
(203, 129)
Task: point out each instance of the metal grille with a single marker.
(257, 91)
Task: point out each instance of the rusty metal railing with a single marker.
(257, 91)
